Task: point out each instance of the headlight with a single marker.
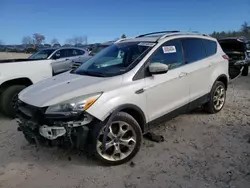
(73, 106)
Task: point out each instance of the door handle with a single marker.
(182, 74)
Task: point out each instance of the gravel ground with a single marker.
(200, 150)
(12, 55)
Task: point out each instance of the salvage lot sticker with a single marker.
(169, 49)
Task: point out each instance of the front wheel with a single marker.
(123, 140)
(217, 98)
(8, 100)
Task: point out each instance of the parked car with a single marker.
(57, 45)
(98, 47)
(93, 50)
(107, 104)
(238, 51)
(16, 74)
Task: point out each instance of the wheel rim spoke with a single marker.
(219, 98)
(122, 141)
(128, 142)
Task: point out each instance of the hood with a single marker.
(66, 86)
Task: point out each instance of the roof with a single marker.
(57, 48)
(156, 36)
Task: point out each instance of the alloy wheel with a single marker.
(219, 97)
(120, 143)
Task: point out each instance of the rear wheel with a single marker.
(245, 71)
(217, 98)
(8, 100)
(123, 140)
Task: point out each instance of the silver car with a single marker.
(61, 58)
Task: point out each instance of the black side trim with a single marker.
(182, 110)
(168, 116)
(198, 102)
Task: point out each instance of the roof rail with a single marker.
(181, 33)
(119, 40)
(158, 32)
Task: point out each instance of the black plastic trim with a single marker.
(182, 110)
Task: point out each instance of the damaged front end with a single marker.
(41, 129)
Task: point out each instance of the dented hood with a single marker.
(66, 86)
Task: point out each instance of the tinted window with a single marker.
(80, 52)
(61, 54)
(194, 49)
(170, 54)
(43, 54)
(210, 46)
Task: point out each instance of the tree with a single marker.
(38, 38)
(245, 28)
(27, 40)
(54, 41)
(123, 36)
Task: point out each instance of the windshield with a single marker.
(98, 49)
(43, 54)
(114, 60)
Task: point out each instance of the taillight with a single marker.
(225, 57)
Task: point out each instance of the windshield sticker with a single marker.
(150, 44)
(169, 49)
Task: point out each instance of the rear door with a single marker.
(199, 68)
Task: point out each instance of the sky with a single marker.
(104, 20)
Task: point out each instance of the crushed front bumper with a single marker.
(50, 131)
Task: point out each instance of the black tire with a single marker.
(245, 71)
(209, 106)
(7, 97)
(93, 136)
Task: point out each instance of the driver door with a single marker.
(168, 93)
(62, 61)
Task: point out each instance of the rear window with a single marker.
(194, 49)
(210, 46)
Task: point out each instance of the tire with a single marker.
(7, 97)
(245, 71)
(96, 135)
(211, 106)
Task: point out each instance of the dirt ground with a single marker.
(200, 150)
(10, 55)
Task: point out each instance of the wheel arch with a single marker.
(17, 81)
(134, 111)
(224, 79)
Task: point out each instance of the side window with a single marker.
(57, 55)
(64, 53)
(80, 52)
(210, 46)
(194, 49)
(170, 53)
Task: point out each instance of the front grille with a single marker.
(30, 112)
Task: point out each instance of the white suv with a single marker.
(109, 102)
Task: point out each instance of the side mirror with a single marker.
(158, 68)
